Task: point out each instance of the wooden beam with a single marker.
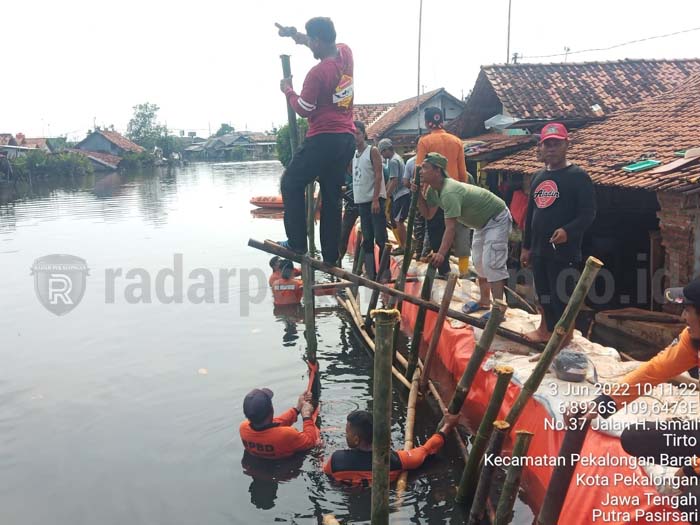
(276, 249)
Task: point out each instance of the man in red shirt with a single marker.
(270, 437)
(326, 100)
(353, 466)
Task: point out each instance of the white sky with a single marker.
(207, 62)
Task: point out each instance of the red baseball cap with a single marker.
(554, 130)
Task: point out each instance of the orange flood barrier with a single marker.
(585, 500)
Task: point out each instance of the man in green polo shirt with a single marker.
(476, 208)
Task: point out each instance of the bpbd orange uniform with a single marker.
(279, 439)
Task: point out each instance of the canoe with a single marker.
(271, 201)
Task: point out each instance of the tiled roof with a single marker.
(655, 128)
(370, 113)
(493, 142)
(398, 113)
(569, 90)
(120, 141)
(111, 161)
(39, 143)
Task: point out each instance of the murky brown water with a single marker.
(127, 412)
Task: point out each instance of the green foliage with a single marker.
(284, 148)
(143, 128)
(39, 164)
(225, 129)
(132, 160)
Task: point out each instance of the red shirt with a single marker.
(287, 291)
(354, 467)
(279, 439)
(327, 95)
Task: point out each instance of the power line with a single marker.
(614, 46)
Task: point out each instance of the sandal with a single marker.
(472, 307)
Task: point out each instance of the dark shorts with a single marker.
(400, 207)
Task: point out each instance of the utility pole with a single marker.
(508, 44)
(566, 52)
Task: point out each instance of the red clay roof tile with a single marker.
(656, 127)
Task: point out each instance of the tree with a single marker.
(143, 128)
(284, 148)
(225, 129)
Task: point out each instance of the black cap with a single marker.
(689, 294)
(257, 404)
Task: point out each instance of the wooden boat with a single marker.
(272, 201)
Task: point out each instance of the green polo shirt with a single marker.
(471, 205)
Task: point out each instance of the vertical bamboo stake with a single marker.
(381, 415)
(291, 114)
(498, 309)
(476, 514)
(437, 331)
(356, 252)
(307, 273)
(407, 255)
(294, 144)
(417, 338)
(470, 475)
(561, 330)
(383, 266)
(410, 424)
(561, 477)
(311, 216)
(504, 509)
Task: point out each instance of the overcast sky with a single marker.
(207, 62)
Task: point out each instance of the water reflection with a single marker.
(267, 475)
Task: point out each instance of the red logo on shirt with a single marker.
(546, 194)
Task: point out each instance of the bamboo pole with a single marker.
(504, 509)
(307, 275)
(348, 284)
(417, 338)
(383, 266)
(498, 310)
(381, 416)
(407, 257)
(470, 475)
(437, 331)
(476, 513)
(356, 253)
(561, 330)
(276, 249)
(561, 476)
(409, 433)
(367, 339)
(311, 216)
(443, 408)
(291, 114)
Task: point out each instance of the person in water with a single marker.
(277, 272)
(270, 437)
(353, 466)
(287, 290)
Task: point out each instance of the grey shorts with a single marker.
(490, 248)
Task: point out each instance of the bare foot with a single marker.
(538, 336)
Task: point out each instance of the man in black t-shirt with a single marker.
(560, 209)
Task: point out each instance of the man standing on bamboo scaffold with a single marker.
(469, 206)
(326, 99)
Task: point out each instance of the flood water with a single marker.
(126, 409)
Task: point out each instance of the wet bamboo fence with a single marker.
(476, 479)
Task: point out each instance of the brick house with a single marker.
(648, 221)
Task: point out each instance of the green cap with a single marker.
(436, 160)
